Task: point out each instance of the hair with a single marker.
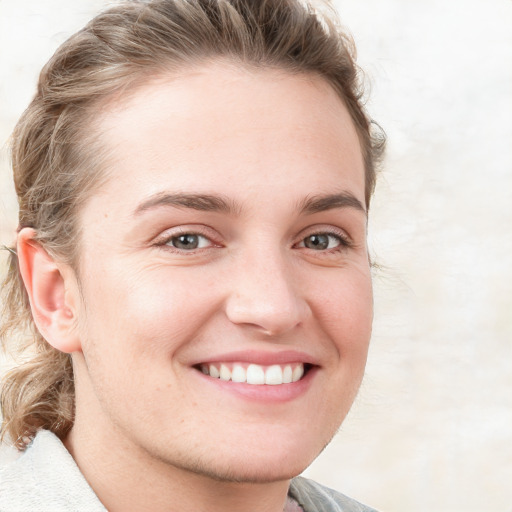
(55, 157)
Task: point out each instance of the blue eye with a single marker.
(321, 241)
(188, 241)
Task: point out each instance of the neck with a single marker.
(124, 477)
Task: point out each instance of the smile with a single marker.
(255, 374)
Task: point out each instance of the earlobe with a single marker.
(53, 310)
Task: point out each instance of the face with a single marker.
(224, 273)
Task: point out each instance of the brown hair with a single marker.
(56, 162)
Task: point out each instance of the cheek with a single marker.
(345, 306)
(144, 312)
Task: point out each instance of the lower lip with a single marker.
(263, 392)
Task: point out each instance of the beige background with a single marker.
(432, 427)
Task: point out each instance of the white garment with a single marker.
(45, 478)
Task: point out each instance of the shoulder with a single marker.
(45, 478)
(314, 497)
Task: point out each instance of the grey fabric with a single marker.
(313, 497)
(45, 478)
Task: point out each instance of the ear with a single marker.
(52, 291)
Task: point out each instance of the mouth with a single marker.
(255, 374)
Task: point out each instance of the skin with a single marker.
(140, 314)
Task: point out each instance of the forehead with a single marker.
(223, 125)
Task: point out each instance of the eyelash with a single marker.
(344, 242)
(165, 241)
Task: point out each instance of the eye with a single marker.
(188, 241)
(322, 241)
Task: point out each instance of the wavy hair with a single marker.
(57, 162)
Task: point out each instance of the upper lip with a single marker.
(263, 358)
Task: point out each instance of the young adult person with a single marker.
(191, 267)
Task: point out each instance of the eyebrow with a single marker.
(201, 202)
(213, 203)
(316, 204)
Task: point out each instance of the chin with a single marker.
(254, 464)
(250, 472)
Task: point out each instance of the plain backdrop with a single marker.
(432, 427)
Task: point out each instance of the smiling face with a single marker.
(227, 300)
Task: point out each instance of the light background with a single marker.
(432, 428)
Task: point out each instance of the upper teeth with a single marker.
(255, 373)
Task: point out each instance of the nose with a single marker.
(265, 294)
